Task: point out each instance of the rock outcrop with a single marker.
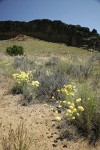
(54, 31)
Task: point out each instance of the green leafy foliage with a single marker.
(15, 50)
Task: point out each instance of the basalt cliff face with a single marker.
(53, 31)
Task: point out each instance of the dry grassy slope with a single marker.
(38, 118)
(37, 47)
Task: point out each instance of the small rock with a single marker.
(54, 145)
(55, 141)
(64, 146)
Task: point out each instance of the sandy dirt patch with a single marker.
(39, 121)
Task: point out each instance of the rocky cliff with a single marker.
(54, 31)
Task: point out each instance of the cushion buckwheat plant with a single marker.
(25, 83)
(72, 106)
(23, 77)
(81, 112)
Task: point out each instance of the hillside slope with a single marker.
(39, 118)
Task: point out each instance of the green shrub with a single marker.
(15, 50)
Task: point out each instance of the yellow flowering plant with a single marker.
(58, 118)
(24, 81)
(72, 106)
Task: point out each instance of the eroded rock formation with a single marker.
(54, 31)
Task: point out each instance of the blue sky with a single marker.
(83, 12)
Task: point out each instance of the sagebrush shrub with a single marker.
(24, 63)
(50, 80)
(15, 50)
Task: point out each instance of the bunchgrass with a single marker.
(16, 139)
(89, 124)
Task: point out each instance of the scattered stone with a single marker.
(58, 127)
(53, 125)
(65, 146)
(54, 145)
(59, 111)
(50, 137)
(55, 141)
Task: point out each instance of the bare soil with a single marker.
(39, 121)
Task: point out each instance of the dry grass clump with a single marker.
(16, 139)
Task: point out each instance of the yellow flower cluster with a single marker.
(73, 106)
(58, 118)
(73, 109)
(68, 89)
(35, 83)
(23, 77)
(80, 108)
(78, 100)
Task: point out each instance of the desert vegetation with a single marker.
(17, 139)
(67, 83)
